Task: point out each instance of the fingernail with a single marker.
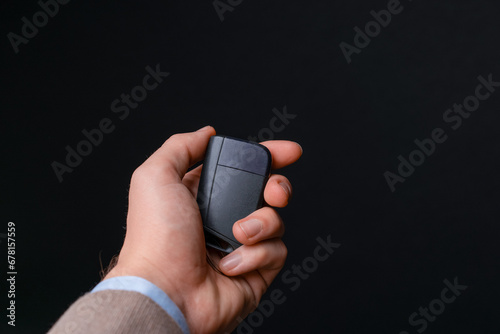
(286, 187)
(251, 227)
(204, 128)
(230, 262)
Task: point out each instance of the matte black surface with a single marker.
(250, 157)
(232, 182)
(208, 174)
(239, 196)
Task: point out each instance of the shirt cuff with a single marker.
(141, 285)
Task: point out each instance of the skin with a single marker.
(164, 242)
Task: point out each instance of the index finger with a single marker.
(284, 152)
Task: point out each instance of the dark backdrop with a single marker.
(353, 121)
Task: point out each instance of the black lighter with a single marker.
(233, 178)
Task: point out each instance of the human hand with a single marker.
(164, 242)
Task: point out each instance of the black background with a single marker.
(353, 121)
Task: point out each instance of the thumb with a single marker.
(178, 153)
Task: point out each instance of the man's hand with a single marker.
(165, 243)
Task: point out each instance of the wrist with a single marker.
(126, 270)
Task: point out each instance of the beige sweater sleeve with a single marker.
(115, 311)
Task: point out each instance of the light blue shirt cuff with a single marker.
(141, 285)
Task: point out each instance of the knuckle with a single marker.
(262, 256)
(282, 228)
(282, 253)
(146, 172)
(269, 222)
(268, 213)
(174, 138)
(275, 221)
(138, 175)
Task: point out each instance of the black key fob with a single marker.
(233, 178)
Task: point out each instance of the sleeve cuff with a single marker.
(141, 285)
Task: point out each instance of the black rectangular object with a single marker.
(233, 178)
